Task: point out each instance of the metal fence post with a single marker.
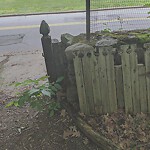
(88, 20)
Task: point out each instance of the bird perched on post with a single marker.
(44, 28)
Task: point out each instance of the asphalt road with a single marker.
(22, 32)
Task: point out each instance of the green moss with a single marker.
(82, 39)
(143, 37)
(118, 36)
(124, 37)
(140, 36)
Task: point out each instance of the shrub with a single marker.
(39, 94)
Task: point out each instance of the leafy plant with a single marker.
(107, 30)
(39, 93)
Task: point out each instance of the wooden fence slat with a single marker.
(111, 80)
(142, 88)
(119, 86)
(103, 87)
(96, 85)
(86, 61)
(103, 81)
(80, 85)
(134, 79)
(126, 78)
(147, 64)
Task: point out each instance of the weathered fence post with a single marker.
(47, 50)
(147, 67)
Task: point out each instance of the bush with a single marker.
(39, 94)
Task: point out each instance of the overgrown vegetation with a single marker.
(39, 94)
(33, 6)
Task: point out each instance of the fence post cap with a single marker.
(77, 48)
(67, 39)
(106, 41)
(44, 28)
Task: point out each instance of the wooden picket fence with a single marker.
(104, 87)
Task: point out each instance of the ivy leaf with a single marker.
(53, 88)
(43, 78)
(33, 104)
(25, 83)
(33, 91)
(52, 93)
(46, 93)
(52, 113)
(16, 103)
(21, 101)
(10, 104)
(59, 79)
(16, 84)
(57, 86)
(38, 106)
(58, 105)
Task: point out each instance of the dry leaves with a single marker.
(127, 131)
(63, 113)
(85, 141)
(71, 132)
(82, 114)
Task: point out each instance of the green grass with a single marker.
(33, 6)
(117, 3)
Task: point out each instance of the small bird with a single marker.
(44, 28)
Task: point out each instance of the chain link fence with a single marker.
(117, 15)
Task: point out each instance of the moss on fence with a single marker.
(126, 50)
(123, 37)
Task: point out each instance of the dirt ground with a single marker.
(24, 128)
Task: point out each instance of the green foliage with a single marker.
(147, 5)
(107, 30)
(38, 94)
(34, 6)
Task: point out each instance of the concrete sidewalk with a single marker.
(19, 66)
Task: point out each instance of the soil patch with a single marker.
(26, 129)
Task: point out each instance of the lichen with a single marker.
(143, 37)
(123, 37)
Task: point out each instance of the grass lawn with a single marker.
(32, 6)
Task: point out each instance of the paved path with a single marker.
(22, 32)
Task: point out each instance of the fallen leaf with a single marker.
(71, 132)
(19, 130)
(124, 144)
(2, 101)
(73, 128)
(85, 141)
(142, 137)
(92, 121)
(82, 114)
(67, 133)
(63, 113)
(76, 134)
